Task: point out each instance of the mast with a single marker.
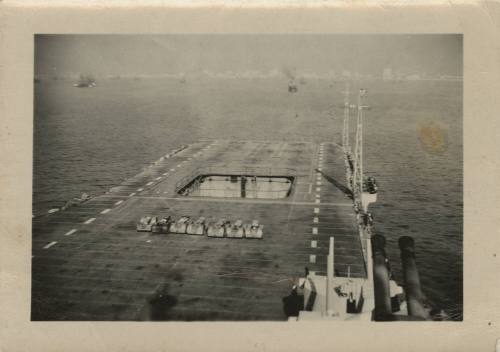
(358, 152)
(345, 132)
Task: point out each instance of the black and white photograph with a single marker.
(247, 177)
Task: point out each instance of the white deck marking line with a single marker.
(179, 165)
(318, 195)
(314, 244)
(319, 183)
(315, 230)
(105, 211)
(172, 169)
(315, 220)
(49, 245)
(310, 188)
(140, 189)
(70, 232)
(167, 156)
(320, 168)
(316, 210)
(119, 202)
(165, 174)
(89, 221)
(317, 201)
(312, 259)
(149, 183)
(131, 194)
(158, 178)
(318, 189)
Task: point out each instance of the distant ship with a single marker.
(85, 82)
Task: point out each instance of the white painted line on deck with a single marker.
(312, 259)
(89, 221)
(317, 201)
(140, 189)
(315, 230)
(70, 232)
(165, 174)
(149, 183)
(318, 183)
(158, 178)
(318, 195)
(320, 169)
(315, 220)
(105, 211)
(314, 244)
(172, 169)
(318, 189)
(316, 210)
(179, 165)
(131, 194)
(49, 245)
(119, 202)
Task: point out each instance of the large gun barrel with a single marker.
(383, 309)
(413, 290)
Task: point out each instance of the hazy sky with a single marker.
(146, 54)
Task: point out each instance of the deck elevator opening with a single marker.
(239, 186)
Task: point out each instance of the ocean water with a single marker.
(91, 139)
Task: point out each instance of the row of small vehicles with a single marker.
(186, 225)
